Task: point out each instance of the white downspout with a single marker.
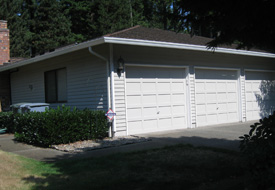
(111, 130)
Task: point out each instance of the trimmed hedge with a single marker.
(58, 126)
(259, 148)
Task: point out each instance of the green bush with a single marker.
(56, 126)
(259, 148)
(6, 121)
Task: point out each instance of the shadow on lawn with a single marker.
(177, 167)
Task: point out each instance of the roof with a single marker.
(142, 36)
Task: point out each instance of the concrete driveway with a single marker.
(219, 136)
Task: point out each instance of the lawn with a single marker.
(174, 167)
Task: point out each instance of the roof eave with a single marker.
(53, 54)
(126, 41)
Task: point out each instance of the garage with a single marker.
(155, 98)
(259, 93)
(216, 96)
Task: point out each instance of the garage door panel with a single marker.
(148, 87)
(165, 123)
(149, 112)
(134, 113)
(221, 87)
(180, 110)
(216, 96)
(148, 125)
(164, 87)
(232, 96)
(162, 93)
(231, 86)
(211, 108)
(200, 86)
(210, 86)
(177, 87)
(222, 107)
(200, 98)
(178, 121)
(134, 101)
(164, 111)
(178, 98)
(211, 97)
(221, 97)
(133, 87)
(149, 100)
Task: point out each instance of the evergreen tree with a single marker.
(80, 13)
(51, 27)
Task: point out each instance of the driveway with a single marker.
(219, 136)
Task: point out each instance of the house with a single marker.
(154, 80)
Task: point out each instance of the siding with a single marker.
(243, 97)
(165, 56)
(86, 81)
(120, 103)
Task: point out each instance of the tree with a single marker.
(51, 28)
(80, 13)
(247, 23)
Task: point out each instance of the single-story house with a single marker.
(154, 80)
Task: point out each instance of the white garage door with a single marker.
(260, 94)
(156, 99)
(216, 96)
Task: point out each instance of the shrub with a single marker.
(259, 148)
(59, 126)
(6, 121)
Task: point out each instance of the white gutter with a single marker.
(111, 130)
(113, 87)
(126, 41)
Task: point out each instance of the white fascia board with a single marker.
(55, 53)
(126, 41)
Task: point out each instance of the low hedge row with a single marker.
(56, 126)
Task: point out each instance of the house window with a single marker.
(56, 86)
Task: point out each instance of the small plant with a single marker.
(259, 148)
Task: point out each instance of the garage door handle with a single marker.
(217, 108)
(158, 112)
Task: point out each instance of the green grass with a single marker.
(175, 167)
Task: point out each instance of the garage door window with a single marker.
(56, 86)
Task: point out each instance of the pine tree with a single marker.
(80, 13)
(51, 27)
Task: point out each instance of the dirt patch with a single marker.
(82, 146)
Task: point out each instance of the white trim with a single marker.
(240, 95)
(151, 43)
(125, 99)
(152, 65)
(216, 68)
(188, 98)
(258, 70)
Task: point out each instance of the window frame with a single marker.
(56, 86)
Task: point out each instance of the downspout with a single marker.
(111, 130)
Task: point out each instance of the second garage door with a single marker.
(260, 94)
(216, 96)
(156, 99)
